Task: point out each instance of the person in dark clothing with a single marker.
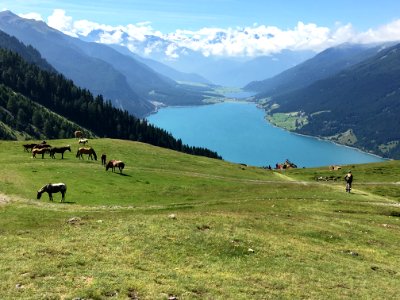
(349, 180)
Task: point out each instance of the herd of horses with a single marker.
(44, 148)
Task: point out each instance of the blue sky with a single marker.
(219, 27)
(169, 15)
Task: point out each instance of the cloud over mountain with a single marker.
(250, 41)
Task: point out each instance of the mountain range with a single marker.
(322, 65)
(129, 83)
(37, 103)
(226, 71)
(349, 94)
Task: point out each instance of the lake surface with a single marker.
(239, 133)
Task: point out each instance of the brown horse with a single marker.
(61, 150)
(89, 151)
(42, 151)
(78, 134)
(115, 164)
(53, 188)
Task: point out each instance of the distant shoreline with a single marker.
(248, 100)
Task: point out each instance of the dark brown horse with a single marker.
(53, 188)
(89, 151)
(28, 147)
(103, 159)
(59, 150)
(115, 164)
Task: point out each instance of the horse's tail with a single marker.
(78, 153)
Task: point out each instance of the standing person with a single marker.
(349, 180)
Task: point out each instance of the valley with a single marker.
(201, 121)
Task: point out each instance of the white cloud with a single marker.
(388, 32)
(33, 16)
(254, 40)
(60, 21)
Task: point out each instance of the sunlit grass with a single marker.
(194, 228)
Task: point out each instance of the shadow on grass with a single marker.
(122, 174)
(67, 202)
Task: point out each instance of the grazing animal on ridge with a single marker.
(103, 159)
(89, 151)
(115, 164)
(78, 134)
(83, 141)
(42, 151)
(59, 150)
(51, 188)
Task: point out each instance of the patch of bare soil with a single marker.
(4, 199)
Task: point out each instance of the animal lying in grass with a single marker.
(115, 164)
(51, 188)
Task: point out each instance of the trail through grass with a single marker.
(194, 228)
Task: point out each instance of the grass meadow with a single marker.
(186, 227)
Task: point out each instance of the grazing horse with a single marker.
(103, 159)
(39, 151)
(28, 147)
(53, 188)
(78, 134)
(83, 141)
(59, 150)
(115, 164)
(89, 151)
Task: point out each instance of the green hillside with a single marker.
(176, 225)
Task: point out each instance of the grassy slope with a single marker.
(310, 239)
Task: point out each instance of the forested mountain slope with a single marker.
(323, 65)
(359, 106)
(27, 52)
(56, 93)
(21, 118)
(91, 73)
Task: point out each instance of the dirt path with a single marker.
(4, 199)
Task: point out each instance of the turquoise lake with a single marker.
(239, 133)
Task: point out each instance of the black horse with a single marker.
(59, 150)
(53, 188)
